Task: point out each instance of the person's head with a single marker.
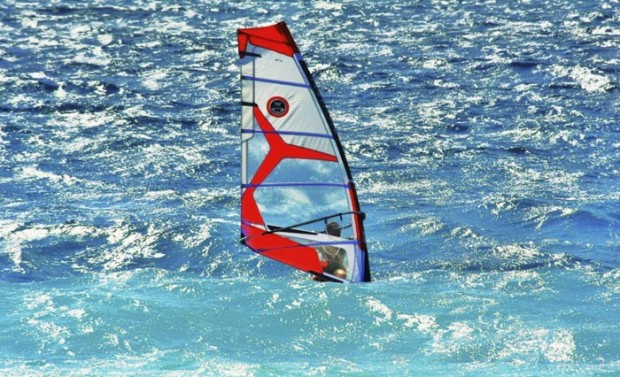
(341, 273)
(333, 229)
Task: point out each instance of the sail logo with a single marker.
(277, 107)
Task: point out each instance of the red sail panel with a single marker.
(275, 38)
(282, 249)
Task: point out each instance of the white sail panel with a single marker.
(303, 125)
(272, 66)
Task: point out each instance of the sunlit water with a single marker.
(484, 138)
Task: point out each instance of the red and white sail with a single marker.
(295, 178)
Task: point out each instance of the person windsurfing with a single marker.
(332, 257)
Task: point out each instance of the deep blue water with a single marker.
(484, 138)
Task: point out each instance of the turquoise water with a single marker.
(483, 138)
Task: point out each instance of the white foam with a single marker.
(425, 226)
(105, 39)
(136, 111)
(432, 113)
(126, 245)
(78, 31)
(94, 56)
(81, 120)
(527, 282)
(588, 79)
(161, 194)
(426, 324)
(324, 5)
(562, 347)
(37, 75)
(541, 214)
(171, 27)
(464, 233)
(385, 51)
(78, 313)
(611, 279)
(434, 63)
(26, 100)
(606, 30)
(521, 134)
(16, 235)
(153, 79)
(525, 87)
(384, 313)
(460, 330)
(30, 22)
(516, 251)
(33, 233)
(7, 227)
(33, 172)
(526, 178)
(60, 93)
(3, 76)
(194, 238)
(14, 250)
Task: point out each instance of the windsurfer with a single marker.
(331, 256)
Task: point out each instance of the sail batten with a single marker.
(296, 184)
(299, 205)
(298, 133)
(272, 81)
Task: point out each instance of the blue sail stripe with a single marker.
(296, 184)
(313, 244)
(311, 134)
(271, 81)
(333, 243)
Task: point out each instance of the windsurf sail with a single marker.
(299, 205)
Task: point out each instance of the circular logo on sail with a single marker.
(277, 107)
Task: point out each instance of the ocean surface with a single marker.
(484, 138)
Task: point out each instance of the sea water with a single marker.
(484, 138)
